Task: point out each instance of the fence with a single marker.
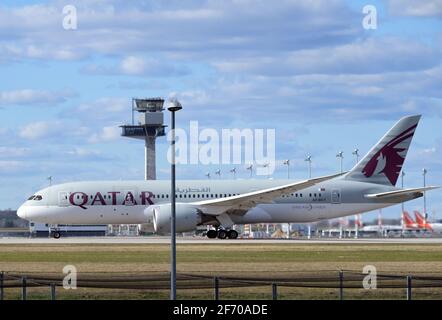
(342, 281)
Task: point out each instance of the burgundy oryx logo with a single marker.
(388, 160)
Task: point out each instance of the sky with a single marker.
(308, 69)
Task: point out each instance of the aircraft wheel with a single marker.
(232, 234)
(57, 235)
(211, 234)
(222, 234)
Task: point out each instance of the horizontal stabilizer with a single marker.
(401, 192)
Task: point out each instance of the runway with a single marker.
(189, 240)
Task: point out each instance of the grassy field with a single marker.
(269, 260)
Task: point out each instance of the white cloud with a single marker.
(195, 27)
(11, 166)
(419, 8)
(105, 105)
(55, 130)
(82, 152)
(29, 96)
(133, 65)
(138, 66)
(106, 134)
(40, 129)
(371, 55)
(105, 110)
(12, 152)
(428, 152)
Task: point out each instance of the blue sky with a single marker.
(305, 68)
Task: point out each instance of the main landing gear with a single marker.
(222, 234)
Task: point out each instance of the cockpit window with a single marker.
(38, 197)
(31, 198)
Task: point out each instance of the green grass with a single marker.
(268, 260)
(153, 254)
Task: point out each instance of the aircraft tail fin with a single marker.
(421, 222)
(419, 219)
(408, 221)
(383, 163)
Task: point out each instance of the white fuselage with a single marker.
(124, 202)
(435, 227)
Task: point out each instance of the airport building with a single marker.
(43, 230)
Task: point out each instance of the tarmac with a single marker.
(200, 240)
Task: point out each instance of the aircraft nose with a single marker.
(21, 212)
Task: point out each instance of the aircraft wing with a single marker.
(244, 202)
(402, 192)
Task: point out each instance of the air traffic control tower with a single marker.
(150, 126)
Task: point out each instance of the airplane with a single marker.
(409, 225)
(221, 204)
(409, 222)
(433, 227)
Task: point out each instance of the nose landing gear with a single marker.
(54, 231)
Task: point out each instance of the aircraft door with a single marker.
(63, 199)
(336, 196)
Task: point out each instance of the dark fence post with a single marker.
(274, 291)
(216, 284)
(341, 285)
(408, 287)
(2, 276)
(23, 288)
(53, 297)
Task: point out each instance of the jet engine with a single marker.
(187, 217)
